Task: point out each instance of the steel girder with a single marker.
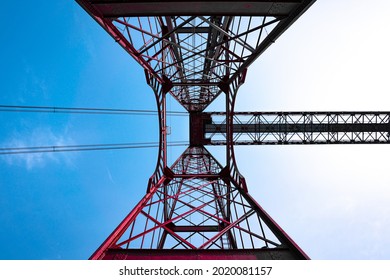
(281, 128)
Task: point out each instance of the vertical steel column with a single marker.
(230, 90)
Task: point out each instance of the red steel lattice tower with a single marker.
(196, 51)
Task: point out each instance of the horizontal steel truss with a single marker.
(262, 128)
(196, 206)
(191, 46)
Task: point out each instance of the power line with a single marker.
(89, 147)
(106, 111)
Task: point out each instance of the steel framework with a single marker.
(196, 51)
(269, 128)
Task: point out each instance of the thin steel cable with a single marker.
(106, 111)
(77, 148)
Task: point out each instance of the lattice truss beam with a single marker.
(196, 207)
(197, 210)
(188, 51)
(262, 128)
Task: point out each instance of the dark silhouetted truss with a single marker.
(269, 128)
(196, 51)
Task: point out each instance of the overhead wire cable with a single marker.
(77, 148)
(107, 111)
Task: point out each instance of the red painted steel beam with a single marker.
(210, 177)
(226, 229)
(275, 228)
(193, 228)
(122, 227)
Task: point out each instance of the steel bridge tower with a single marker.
(196, 51)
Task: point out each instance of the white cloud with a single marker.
(38, 137)
(33, 84)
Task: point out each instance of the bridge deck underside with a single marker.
(115, 8)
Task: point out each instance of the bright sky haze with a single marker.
(332, 200)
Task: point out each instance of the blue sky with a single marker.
(333, 200)
(63, 205)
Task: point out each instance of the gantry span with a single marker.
(196, 51)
